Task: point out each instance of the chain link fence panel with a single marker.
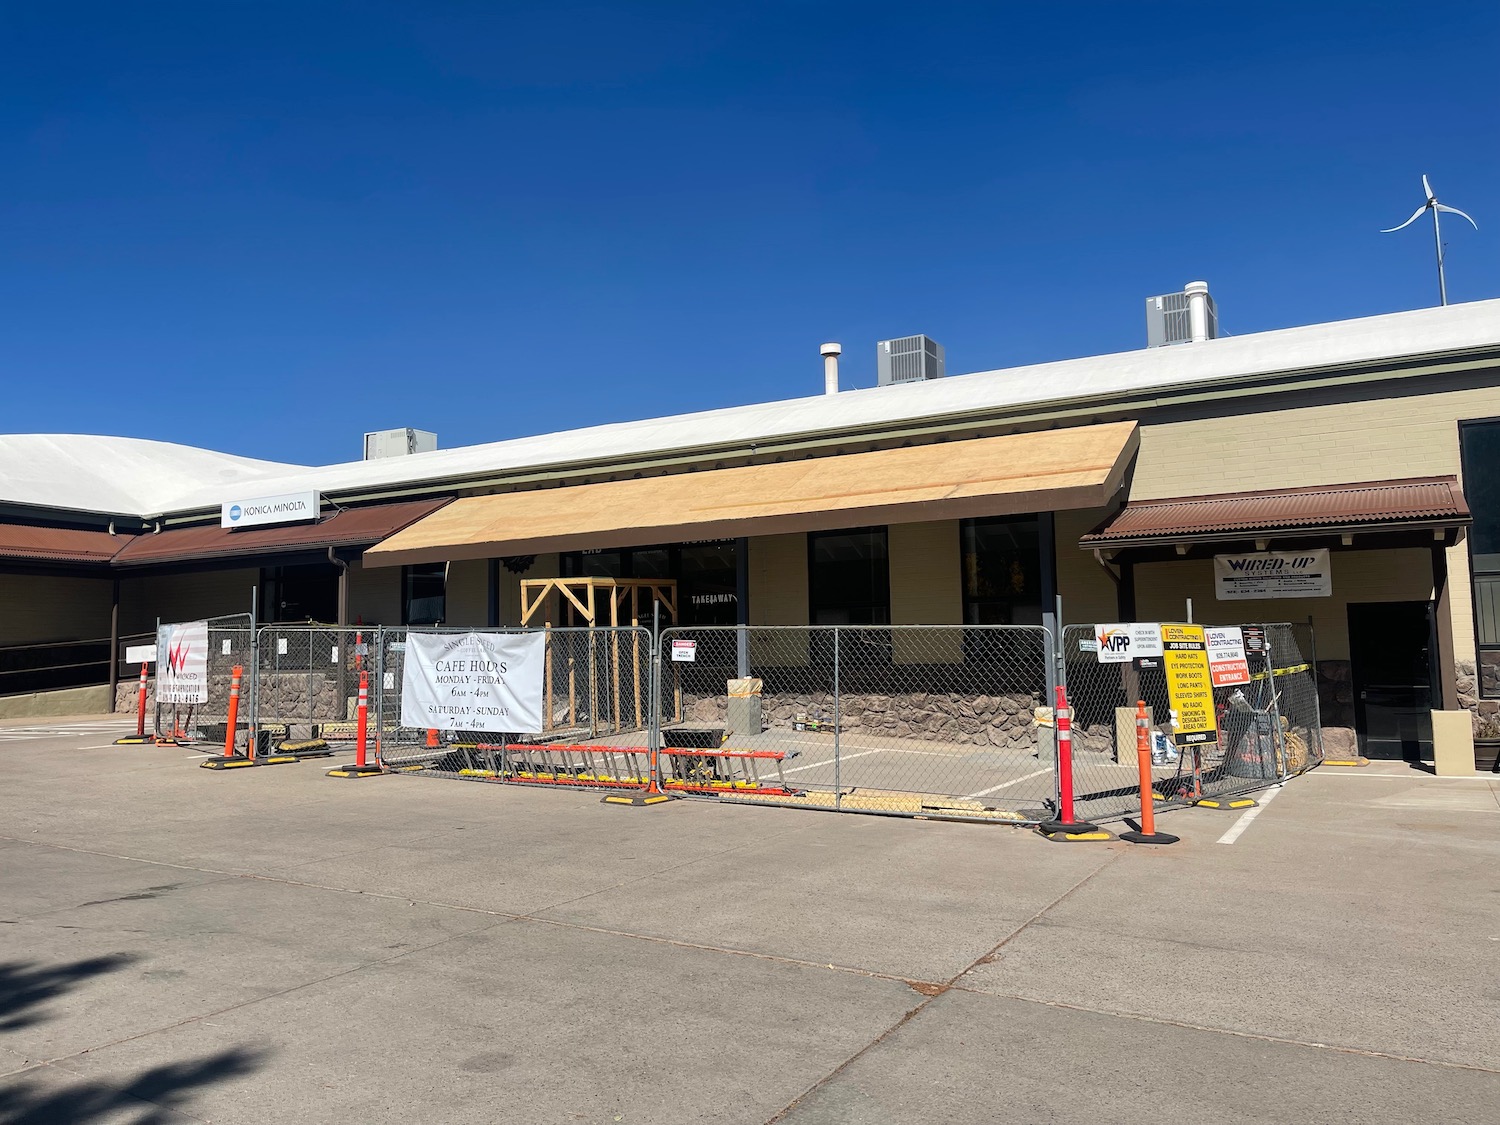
(902, 720)
(307, 685)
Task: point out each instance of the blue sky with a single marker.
(266, 228)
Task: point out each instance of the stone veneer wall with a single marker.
(966, 720)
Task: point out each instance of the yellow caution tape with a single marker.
(1281, 671)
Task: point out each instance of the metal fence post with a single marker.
(1278, 738)
(838, 788)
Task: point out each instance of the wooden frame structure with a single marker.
(594, 598)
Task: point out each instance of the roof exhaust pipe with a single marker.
(1197, 295)
(831, 353)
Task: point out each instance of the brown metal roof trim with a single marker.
(349, 527)
(58, 544)
(1416, 501)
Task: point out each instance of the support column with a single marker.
(1446, 679)
(492, 612)
(344, 594)
(1125, 591)
(742, 604)
(114, 639)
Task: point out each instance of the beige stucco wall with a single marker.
(184, 597)
(1337, 443)
(38, 608)
(467, 593)
(926, 570)
(1358, 576)
(778, 580)
(1088, 594)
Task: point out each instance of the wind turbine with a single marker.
(1434, 206)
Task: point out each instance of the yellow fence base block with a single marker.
(1227, 804)
(369, 769)
(931, 806)
(636, 800)
(134, 740)
(1075, 837)
(310, 748)
(1360, 761)
(239, 763)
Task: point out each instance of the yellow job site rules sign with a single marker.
(1190, 687)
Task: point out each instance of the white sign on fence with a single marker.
(473, 681)
(182, 674)
(140, 654)
(1122, 642)
(1273, 574)
(1226, 657)
(685, 652)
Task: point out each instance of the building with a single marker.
(1113, 481)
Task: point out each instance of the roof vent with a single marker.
(908, 359)
(398, 443)
(1189, 317)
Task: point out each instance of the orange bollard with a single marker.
(432, 738)
(139, 737)
(1147, 833)
(361, 767)
(1065, 829)
(234, 709)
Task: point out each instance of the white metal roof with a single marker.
(147, 478)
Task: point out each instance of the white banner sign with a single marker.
(1226, 657)
(1122, 642)
(287, 507)
(473, 681)
(1273, 574)
(182, 663)
(140, 654)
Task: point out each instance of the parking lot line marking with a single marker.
(1008, 784)
(1250, 814)
(830, 761)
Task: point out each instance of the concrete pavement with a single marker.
(273, 945)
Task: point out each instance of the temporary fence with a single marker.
(907, 720)
(903, 720)
(1267, 729)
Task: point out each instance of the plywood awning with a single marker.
(1044, 471)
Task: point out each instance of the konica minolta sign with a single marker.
(289, 507)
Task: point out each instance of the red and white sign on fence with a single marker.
(1226, 657)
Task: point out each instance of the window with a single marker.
(849, 577)
(1002, 564)
(704, 571)
(1480, 446)
(425, 594)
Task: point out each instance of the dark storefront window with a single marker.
(704, 572)
(1480, 445)
(849, 577)
(300, 593)
(424, 594)
(1002, 571)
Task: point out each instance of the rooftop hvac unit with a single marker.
(1169, 318)
(910, 359)
(398, 443)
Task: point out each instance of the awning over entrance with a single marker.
(1419, 503)
(349, 527)
(1044, 471)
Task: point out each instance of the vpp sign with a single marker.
(1122, 642)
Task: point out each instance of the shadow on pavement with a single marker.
(30, 1100)
(26, 985)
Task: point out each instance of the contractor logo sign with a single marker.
(474, 681)
(1122, 642)
(288, 507)
(182, 663)
(1273, 574)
